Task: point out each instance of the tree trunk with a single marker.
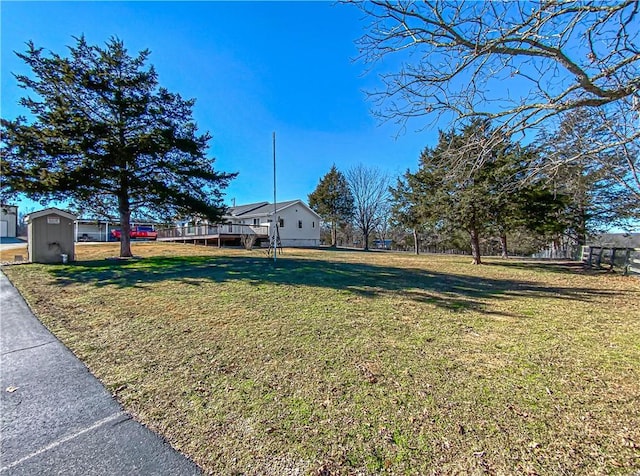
(365, 237)
(334, 235)
(582, 228)
(125, 227)
(416, 243)
(475, 246)
(503, 245)
(555, 250)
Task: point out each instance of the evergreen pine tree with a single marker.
(106, 136)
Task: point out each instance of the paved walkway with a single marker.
(57, 418)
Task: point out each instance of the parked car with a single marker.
(137, 233)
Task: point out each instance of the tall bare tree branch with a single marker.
(520, 64)
(370, 190)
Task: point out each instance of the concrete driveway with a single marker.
(6, 244)
(57, 418)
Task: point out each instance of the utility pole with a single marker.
(275, 218)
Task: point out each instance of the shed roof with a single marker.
(49, 211)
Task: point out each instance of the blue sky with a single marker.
(253, 67)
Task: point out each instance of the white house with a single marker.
(298, 225)
(8, 221)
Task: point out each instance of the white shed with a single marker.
(8, 221)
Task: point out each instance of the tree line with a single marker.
(495, 193)
(566, 73)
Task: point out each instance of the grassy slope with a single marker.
(347, 362)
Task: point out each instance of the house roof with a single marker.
(49, 211)
(262, 209)
(244, 209)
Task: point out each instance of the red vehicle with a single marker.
(137, 233)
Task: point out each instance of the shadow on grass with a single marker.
(451, 291)
(553, 266)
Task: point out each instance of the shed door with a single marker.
(4, 228)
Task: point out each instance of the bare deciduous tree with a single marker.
(620, 157)
(370, 190)
(518, 63)
(383, 225)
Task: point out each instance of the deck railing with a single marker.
(194, 231)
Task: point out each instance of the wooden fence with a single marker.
(606, 257)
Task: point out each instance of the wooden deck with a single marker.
(217, 235)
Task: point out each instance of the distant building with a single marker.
(8, 221)
(93, 229)
(615, 240)
(382, 244)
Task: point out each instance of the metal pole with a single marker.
(275, 223)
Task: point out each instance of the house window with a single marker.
(299, 223)
(281, 222)
(256, 221)
(313, 224)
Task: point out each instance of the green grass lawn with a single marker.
(357, 363)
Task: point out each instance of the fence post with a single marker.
(613, 257)
(627, 261)
(599, 258)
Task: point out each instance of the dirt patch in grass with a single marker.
(357, 363)
(11, 255)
